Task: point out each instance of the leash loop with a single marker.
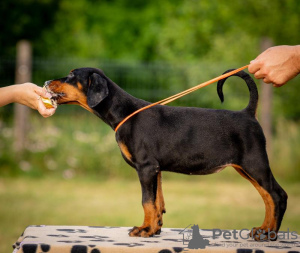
(180, 94)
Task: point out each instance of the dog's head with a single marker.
(86, 87)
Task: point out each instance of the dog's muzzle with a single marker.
(47, 83)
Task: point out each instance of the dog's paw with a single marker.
(141, 232)
(158, 232)
(263, 234)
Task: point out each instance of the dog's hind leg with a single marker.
(153, 202)
(274, 197)
(159, 202)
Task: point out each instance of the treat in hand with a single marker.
(47, 102)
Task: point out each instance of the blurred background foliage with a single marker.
(168, 30)
(152, 49)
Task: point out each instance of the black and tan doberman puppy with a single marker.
(193, 141)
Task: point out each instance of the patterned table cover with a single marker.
(89, 239)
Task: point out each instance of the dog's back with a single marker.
(197, 140)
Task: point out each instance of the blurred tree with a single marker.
(180, 32)
(149, 30)
(223, 30)
(278, 20)
(23, 19)
(118, 29)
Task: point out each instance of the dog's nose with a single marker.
(47, 83)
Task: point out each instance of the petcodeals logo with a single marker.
(193, 239)
(259, 235)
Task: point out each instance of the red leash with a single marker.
(181, 94)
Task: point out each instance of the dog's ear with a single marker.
(97, 90)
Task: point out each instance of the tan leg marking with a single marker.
(153, 213)
(270, 219)
(159, 202)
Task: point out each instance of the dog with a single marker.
(193, 141)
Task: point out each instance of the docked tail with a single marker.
(251, 108)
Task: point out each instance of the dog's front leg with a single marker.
(153, 202)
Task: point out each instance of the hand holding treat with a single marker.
(30, 95)
(47, 102)
(45, 106)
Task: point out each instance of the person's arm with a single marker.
(27, 94)
(277, 65)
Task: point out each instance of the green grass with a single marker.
(209, 201)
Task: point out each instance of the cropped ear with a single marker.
(97, 90)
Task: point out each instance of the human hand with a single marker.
(29, 94)
(277, 65)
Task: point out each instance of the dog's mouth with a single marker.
(55, 97)
(62, 93)
(58, 98)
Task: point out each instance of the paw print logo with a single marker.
(260, 235)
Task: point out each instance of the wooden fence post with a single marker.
(266, 98)
(21, 112)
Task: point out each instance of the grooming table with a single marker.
(85, 239)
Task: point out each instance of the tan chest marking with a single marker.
(125, 151)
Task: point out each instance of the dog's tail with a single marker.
(251, 108)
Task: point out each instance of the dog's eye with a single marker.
(71, 75)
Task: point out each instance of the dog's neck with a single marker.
(117, 105)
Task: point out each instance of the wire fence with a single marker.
(148, 81)
(73, 133)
